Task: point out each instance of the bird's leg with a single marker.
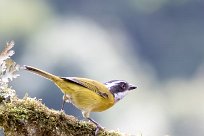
(98, 126)
(63, 102)
(65, 99)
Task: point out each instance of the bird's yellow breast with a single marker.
(96, 99)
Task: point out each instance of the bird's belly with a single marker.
(89, 101)
(99, 107)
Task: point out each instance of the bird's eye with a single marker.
(123, 86)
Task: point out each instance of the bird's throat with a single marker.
(120, 95)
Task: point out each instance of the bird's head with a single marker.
(119, 88)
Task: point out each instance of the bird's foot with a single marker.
(98, 127)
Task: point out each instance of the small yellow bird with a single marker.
(86, 94)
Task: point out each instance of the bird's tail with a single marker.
(41, 73)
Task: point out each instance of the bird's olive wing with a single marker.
(89, 84)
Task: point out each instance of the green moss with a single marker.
(29, 116)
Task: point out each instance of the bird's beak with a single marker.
(131, 87)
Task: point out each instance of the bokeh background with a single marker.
(157, 45)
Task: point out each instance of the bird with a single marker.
(86, 94)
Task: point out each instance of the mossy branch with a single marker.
(29, 117)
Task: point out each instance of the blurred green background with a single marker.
(157, 45)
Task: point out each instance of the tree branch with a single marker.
(28, 116)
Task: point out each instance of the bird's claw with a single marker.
(98, 127)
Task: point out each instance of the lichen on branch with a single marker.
(8, 67)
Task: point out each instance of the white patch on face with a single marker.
(120, 95)
(109, 85)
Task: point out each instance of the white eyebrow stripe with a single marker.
(112, 83)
